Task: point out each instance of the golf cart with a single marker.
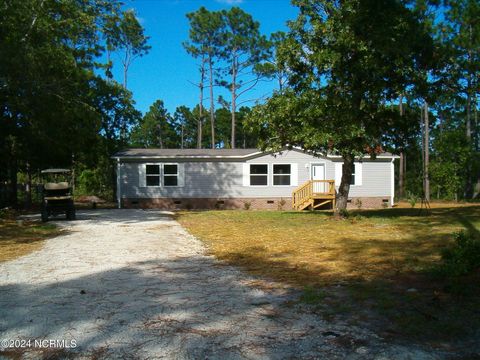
(57, 194)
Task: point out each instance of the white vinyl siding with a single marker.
(142, 182)
(294, 176)
(246, 174)
(230, 179)
(181, 174)
(338, 173)
(358, 173)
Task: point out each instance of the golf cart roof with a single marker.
(55, 171)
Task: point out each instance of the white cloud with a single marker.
(230, 2)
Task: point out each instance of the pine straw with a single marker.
(22, 237)
(311, 249)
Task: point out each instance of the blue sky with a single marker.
(166, 71)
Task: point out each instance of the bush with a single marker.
(463, 257)
(358, 204)
(7, 213)
(344, 213)
(281, 204)
(412, 199)
(94, 182)
(247, 205)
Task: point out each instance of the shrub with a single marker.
(281, 204)
(461, 258)
(412, 199)
(247, 205)
(94, 182)
(358, 203)
(343, 213)
(7, 213)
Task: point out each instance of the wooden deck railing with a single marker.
(312, 189)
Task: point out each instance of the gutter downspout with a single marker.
(392, 181)
(119, 189)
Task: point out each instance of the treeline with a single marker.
(60, 106)
(160, 129)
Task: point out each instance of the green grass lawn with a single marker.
(374, 266)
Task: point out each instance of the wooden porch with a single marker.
(313, 194)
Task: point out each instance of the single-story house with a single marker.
(246, 178)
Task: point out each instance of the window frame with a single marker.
(354, 175)
(250, 175)
(159, 175)
(177, 175)
(273, 175)
(354, 172)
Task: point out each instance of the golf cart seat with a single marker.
(57, 186)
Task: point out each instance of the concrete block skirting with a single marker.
(368, 202)
(273, 203)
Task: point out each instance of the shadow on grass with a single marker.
(411, 306)
(382, 280)
(415, 212)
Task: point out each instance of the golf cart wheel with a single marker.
(44, 215)
(71, 214)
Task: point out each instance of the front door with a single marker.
(318, 173)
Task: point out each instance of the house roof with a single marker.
(204, 153)
(190, 153)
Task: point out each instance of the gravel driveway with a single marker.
(135, 284)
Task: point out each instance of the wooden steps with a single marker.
(314, 194)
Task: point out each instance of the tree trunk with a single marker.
(182, 136)
(200, 111)
(12, 173)
(234, 96)
(469, 91)
(126, 65)
(468, 194)
(344, 188)
(28, 187)
(401, 175)
(427, 154)
(212, 104)
(160, 137)
(74, 183)
(125, 71)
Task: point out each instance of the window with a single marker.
(258, 175)
(153, 175)
(355, 180)
(281, 174)
(170, 175)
